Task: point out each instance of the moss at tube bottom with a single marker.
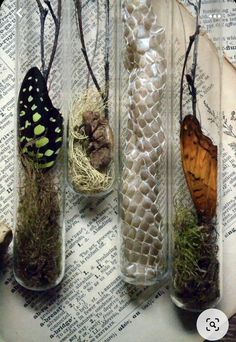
(37, 242)
(195, 284)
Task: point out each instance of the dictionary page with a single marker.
(93, 303)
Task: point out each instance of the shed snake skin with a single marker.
(142, 256)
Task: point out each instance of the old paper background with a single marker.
(93, 304)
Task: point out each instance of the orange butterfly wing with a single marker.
(199, 159)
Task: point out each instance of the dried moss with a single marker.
(37, 244)
(83, 176)
(195, 260)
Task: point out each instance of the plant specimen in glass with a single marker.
(38, 250)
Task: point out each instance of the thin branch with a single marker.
(107, 54)
(192, 4)
(191, 41)
(57, 22)
(190, 78)
(96, 40)
(195, 57)
(43, 14)
(83, 49)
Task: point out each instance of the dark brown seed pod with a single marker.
(101, 140)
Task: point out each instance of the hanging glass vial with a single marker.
(195, 156)
(91, 125)
(39, 225)
(143, 143)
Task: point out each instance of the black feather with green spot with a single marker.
(40, 125)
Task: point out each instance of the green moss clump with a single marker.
(195, 260)
(37, 243)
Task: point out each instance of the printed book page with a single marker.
(93, 303)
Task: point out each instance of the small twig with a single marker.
(83, 49)
(190, 78)
(57, 22)
(43, 14)
(195, 57)
(192, 4)
(195, 54)
(96, 40)
(107, 53)
(191, 41)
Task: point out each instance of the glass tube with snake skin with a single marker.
(196, 155)
(143, 142)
